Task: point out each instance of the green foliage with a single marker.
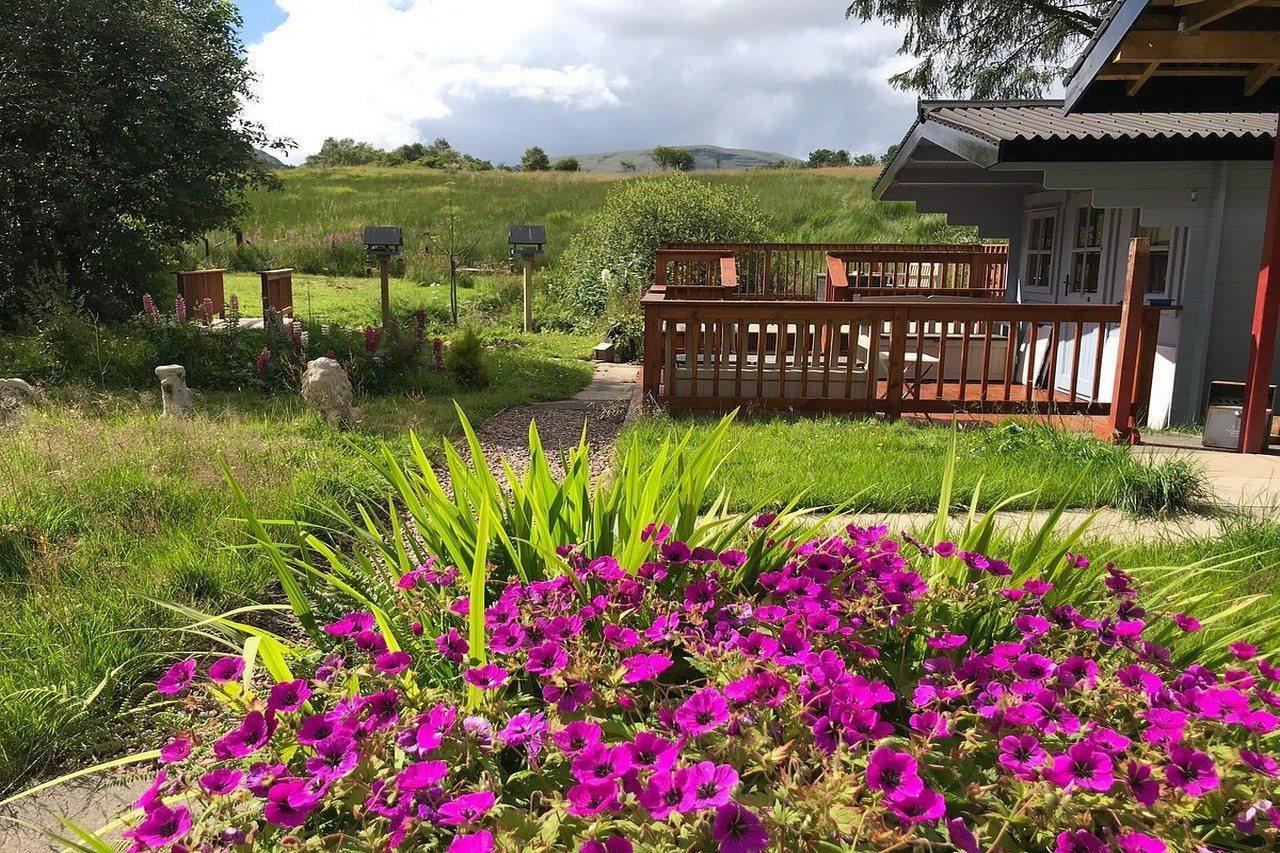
(614, 250)
(468, 362)
(678, 159)
(866, 160)
(998, 49)
(438, 155)
(122, 137)
(826, 157)
(1168, 487)
(534, 159)
(565, 164)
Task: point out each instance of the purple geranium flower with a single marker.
(162, 827)
(226, 669)
(176, 749)
(894, 773)
(251, 735)
(222, 781)
(452, 645)
(1264, 764)
(288, 696)
(577, 736)
(1080, 841)
(1190, 770)
(644, 667)
(547, 658)
(610, 844)
(334, 758)
(1142, 783)
(666, 792)
(962, 838)
(393, 663)
(738, 830)
(467, 808)
(1021, 755)
(590, 798)
(487, 677)
(1138, 842)
(475, 842)
(1190, 624)
(713, 784)
(1083, 766)
(317, 728)
(923, 807)
(421, 775)
(176, 677)
(598, 762)
(291, 802)
(650, 752)
(703, 712)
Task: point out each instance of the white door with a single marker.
(1085, 281)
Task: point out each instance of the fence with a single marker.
(829, 270)
(899, 357)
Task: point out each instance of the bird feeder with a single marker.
(527, 241)
(383, 243)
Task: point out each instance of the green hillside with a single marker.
(705, 158)
(313, 223)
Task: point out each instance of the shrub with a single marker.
(637, 675)
(1169, 487)
(467, 361)
(613, 250)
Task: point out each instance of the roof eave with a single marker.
(980, 151)
(1100, 49)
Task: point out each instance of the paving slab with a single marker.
(1236, 480)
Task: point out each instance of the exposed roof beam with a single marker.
(1142, 77)
(1209, 11)
(1259, 76)
(1147, 46)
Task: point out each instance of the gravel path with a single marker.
(506, 434)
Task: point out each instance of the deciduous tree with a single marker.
(534, 160)
(679, 159)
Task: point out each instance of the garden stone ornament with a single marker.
(14, 394)
(327, 389)
(174, 393)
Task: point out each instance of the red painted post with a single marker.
(1123, 430)
(1254, 426)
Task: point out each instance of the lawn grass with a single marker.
(103, 506)
(298, 225)
(897, 467)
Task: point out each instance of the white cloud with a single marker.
(495, 76)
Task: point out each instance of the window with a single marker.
(1086, 252)
(1161, 245)
(1040, 249)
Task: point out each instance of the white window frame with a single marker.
(1048, 254)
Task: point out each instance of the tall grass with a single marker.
(319, 209)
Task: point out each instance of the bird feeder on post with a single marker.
(382, 243)
(527, 241)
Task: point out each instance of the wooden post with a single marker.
(1254, 423)
(386, 291)
(1146, 363)
(528, 293)
(897, 362)
(1127, 352)
(651, 368)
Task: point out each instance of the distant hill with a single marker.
(271, 161)
(705, 157)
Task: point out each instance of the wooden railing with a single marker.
(198, 285)
(829, 270)
(900, 357)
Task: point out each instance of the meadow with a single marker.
(300, 224)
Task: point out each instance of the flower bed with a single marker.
(853, 692)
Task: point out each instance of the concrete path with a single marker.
(91, 802)
(1249, 481)
(1108, 524)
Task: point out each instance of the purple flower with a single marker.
(1080, 841)
(334, 758)
(487, 677)
(713, 784)
(251, 735)
(1189, 624)
(1083, 766)
(577, 736)
(611, 844)
(1243, 650)
(393, 663)
(1190, 770)
(650, 752)
(644, 667)
(923, 807)
(452, 645)
(291, 802)
(1021, 755)
(525, 730)
(599, 761)
(1264, 764)
(162, 827)
(590, 798)
(176, 678)
(666, 792)
(962, 838)
(946, 642)
(466, 809)
(738, 830)
(317, 728)
(475, 842)
(931, 724)
(1033, 667)
(222, 781)
(421, 775)
(226, 669)
(288, 696)
(1141, 783)
(895, 773)
(547, 658)
(703, 712)
(1137, 842)
(176, 749)
(351, 624)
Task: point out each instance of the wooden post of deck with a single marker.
(1123, 430)
(897, 363)
(651, 358)
(1255, 425)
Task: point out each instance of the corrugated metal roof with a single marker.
(1000, 121)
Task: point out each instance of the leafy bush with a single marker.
(552, 665)
(467, 361)
(614, 248)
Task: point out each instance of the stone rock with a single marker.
(174, 393)
(327, 389)
(14, 394)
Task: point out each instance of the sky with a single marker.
(575, 76)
